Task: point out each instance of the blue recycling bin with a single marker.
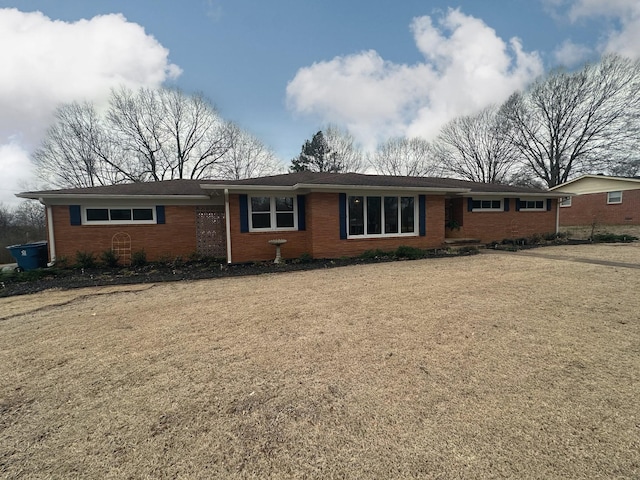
(30, 255)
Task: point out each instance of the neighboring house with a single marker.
(600, 199)
(325, 215)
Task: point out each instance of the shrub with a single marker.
(109, 258)
(412, 253)
(138, 258)
(613, 238)
(306, 258)
(85, 259)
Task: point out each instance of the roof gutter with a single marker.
(227, 221)
(42, 197)
(52, 238)
(330, 188)
(515, 194)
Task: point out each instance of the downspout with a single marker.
(227, 220)
(52, 239)
(557, 216)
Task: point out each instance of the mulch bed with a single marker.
(67, 278)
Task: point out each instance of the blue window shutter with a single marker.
(160, 218)
(469, 204)
(342, 206)
(517, 204)
(75, 215)
(244, 213)
(548, 204)
(506, 204)
(302, 224)
(422, 215)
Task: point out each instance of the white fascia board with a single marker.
(102, 196)
(342, 188)
(313, 187)
(247, 188)
(518, 194)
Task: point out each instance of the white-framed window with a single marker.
(565, 202)
(487, 204)
(104, 215)
(377, 216)
(532, 205)
(272, 213)
(614, 197)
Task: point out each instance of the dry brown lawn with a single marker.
(492, 366)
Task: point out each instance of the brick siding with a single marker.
(589, 208)
(496, 226)
(176, 237)
(322, 218)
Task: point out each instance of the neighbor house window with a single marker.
(614, 197)
(532, 205)
(565, 202)
(272, 213)
(381, 215)
(119, 215)
(481, 205)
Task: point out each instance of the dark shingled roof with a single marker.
(364, 180)
(192, 187)
(166, 187)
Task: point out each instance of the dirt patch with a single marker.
(472, 367)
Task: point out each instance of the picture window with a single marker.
(375, 216)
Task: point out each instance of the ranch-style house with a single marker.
(324, 215)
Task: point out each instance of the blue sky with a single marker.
(282, 69)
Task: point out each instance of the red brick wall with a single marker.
(322, 236)
(177, 237)
(495, 226)
(254, 246)
(593, 207)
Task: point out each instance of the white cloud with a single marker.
(16, 171)
(47, 62)
(467, 66)
(570, 54)
(624, 39)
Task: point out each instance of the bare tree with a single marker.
(77, 152)
(572, 123)
(476, 148)
(146, 135)
(404, 157)
(248, 157)
(198, 137)
(170, 134)
(344, 150)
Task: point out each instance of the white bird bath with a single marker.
(278, 242)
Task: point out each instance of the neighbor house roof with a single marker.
(299, 181)
(597, 184)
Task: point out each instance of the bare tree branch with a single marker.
(572, 123)
(404, 157)
(476, 148)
